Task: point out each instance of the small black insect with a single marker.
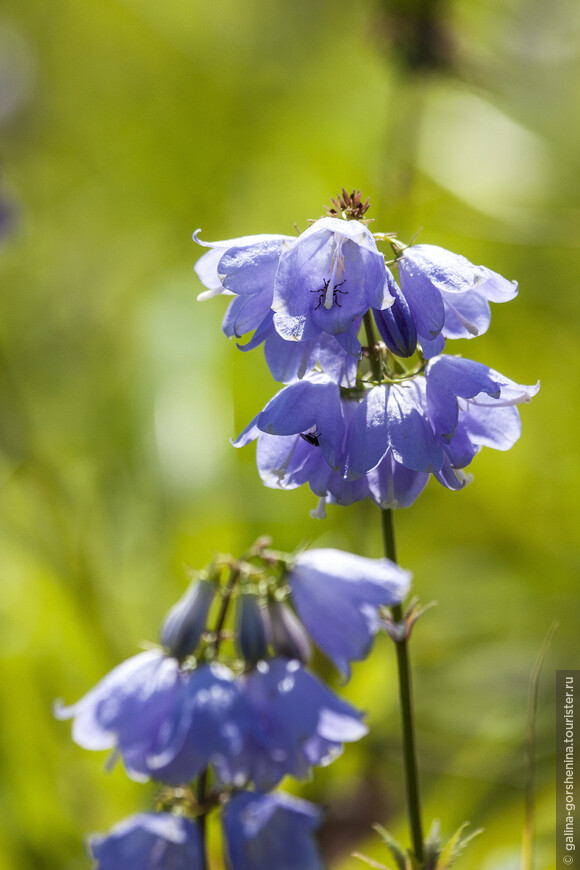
(311, 437)
(323, 291)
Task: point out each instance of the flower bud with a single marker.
(397, 326)
(251, 629)
(186, 621)
(287, 634)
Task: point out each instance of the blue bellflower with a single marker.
(128, 708)
(270, 832)
(208, 725)
(331, 276)
(150, 841)
(471, 406)
(337, 596)
(447, 295)
(385, 441)
(298, 722)
(397, 326)
(287, 634)
(251, 628)
(246, 268)
(186, 621)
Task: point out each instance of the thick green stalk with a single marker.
(406, 701)
(374, 353)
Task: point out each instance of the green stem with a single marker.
(406, 701)
(201, 791)
(374, 353)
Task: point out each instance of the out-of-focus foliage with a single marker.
(127, 124)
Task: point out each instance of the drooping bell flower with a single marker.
(208, 725)
(251, 628)
(128, 709)
(298, 722)
(331, 276)
(447, 295)
(287, 635)
(337, 596)
(270, 831)
(150, 841)
(187, 620)
(397, 325)
(245, 268)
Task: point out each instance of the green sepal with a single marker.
(404, 859)
(438, 858)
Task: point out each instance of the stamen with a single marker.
(336, 271)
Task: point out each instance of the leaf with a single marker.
(455, 846)
(395, 848)
(375, 864)
(433, 846)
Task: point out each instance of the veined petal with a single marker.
(337, 594)
(295, 327)
(499, 428)
(410, 434)
(467, 315)
(291, 360)
(262, 333)
(271, 831)
(304, 405)
(249, 434)
(246, 313)
(391, 485)
(448, 378)
(422, 296)
(206, 267)
(250, 269)
(494, 287)
(332, 275)
(368, 434)
(443, 269)
(148, 841)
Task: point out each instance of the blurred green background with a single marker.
(127, 124)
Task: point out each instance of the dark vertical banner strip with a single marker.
(567, 760)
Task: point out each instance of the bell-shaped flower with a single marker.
(384, 442)
(337, 596)
(251, 628)
(256, 256)
(397, 326)
(447, 295)
(311, 407)
(128, 708)
(245, 268)
(288, 461)
(186, 621)
(450, 379)
(150, 841)
(331, 276)
(472, 406)
(392, 486)
(276, 831)
(298, 722)
(208, 725)
(392, 418)
(293, 360)
(287, 635)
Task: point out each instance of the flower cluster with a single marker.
(180, 714)
(372, 421)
